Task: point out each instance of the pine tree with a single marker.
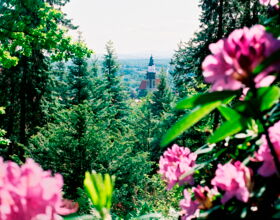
(32, 36)
(115, 96)
(217, 20)
(79, 81)
(162, 99)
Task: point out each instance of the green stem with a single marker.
(266, 133)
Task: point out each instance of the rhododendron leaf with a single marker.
(2, 110)
(193, 170)
(269, 20)
(76, 217)
(187, 121)
(205, 213)
(100, 190)
(150, 216)
(90, 188)
(274, 31)
(206, 98)
(266, 97)
(267, 62)
(277, 215)
(269, 96)
(204, 149)
(227, 129)
(244, 212)
(261, 192)
(109, 185)
(228, 113)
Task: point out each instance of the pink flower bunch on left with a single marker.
(30, 193)
(272, 3)
(263, 154)
(234, 179)
(174, 163)
(233, 60)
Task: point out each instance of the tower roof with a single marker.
(151, 63)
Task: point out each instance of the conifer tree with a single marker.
(31, 37)
(79, 81)
(115, 97)
(218, 19)
(162, 98)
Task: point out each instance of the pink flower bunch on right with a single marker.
(264, 155)
(233, 60)
(234, 179)
(272, 3)
(30, 193)
(176, 162)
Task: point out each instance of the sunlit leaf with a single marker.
(206, 98)
(204, 149)
(76, 217)
(187, 121)
(227, 129)
(228, 113)
(268, 96)
(194, 169)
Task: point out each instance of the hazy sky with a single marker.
(137, 27)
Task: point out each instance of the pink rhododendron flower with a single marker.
(189, 207)
(30, 193)
(234, 179)
(175, 162)
(268, 167)
(204, 196)
(233, 59)
(269, 2)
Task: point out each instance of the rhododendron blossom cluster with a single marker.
(234, 179)
(269, 2)
(30, 193)
(233, 60)
(189, 207)
(263, 154)
(174, 163)
(203, 197)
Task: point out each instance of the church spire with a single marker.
(151, 63)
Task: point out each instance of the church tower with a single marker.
(151, 75)
(151, 82)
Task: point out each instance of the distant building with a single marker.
(151, 82)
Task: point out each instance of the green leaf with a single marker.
(268, 96)
(90, 188)
(76, 217)
(277, 215)
(187, 121)
(206, 98)
(204, 149)
(228, 113)
(150, 216)
(244, 212)
(2, 110)
(100, 190)
(227, 129)
(194, 169)
(267, 62)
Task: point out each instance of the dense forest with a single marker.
(72, 112)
